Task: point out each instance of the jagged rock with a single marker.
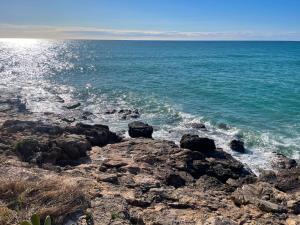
(129, 114)
(140, 129)
(175, 180)
(72, 105)
(262, 195)
(238, 146)
(283, 162)
(13, 126)
(98, 135)
(29, 149)
(195, 143)
(48, 129)
(219, 220)
(73, 146)
(284, 179)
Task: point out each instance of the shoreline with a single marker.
(87, 174)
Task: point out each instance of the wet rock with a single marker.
(98, 135)
(283, 162)
(140, 129)
(72, 105)
(195, 143)
(129, 114)
(238, 146)
(223, 126)
(197, 125)
(111, 111)
(68, 119)
(86, 114)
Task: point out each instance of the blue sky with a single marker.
(152, 19)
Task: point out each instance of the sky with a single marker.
(151, 19)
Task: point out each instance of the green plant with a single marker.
(35, 220)
(114, 216)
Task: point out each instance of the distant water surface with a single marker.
(252, 87)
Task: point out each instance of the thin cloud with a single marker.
(28, 31)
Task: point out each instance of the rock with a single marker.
(195, 143)
(68, 119)
(13, 126)
(283, 162)
(262, 195)
(73, 146)
(109, 178)
(284, 179)
(294, 206)
(97, 135)
(48, 129)
(28, 149)
(129, 114)
(219, 220)
(140, 129)
(72, 105)
(175, 180)
(238, 146)
(197, 125)
(111, 111)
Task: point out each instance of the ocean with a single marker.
(247, 90)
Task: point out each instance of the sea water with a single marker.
(246, 90)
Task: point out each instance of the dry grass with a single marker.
(54, 196)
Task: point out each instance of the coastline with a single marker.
(86, 174)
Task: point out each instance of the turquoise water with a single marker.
(253, 87)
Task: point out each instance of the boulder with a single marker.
(73, 146)
(196, 125)
(129, 114)
(97, 135)
(140, 129)
(238, 146)
(195, 143)
(72, 105)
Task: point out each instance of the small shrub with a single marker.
(35, 220)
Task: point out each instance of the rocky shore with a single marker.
(86, 174)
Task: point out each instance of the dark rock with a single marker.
(195, 143)
(72, 105)
(129, 114)
(112, 111)
(28, 149)
(13, 126)
(98, 135)
(140, 129)
(197, 125)
(238, 146)
(175, 180)
(283, 162)
(48, 129)
(223, 126)
(73, 146)
(68, 119)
